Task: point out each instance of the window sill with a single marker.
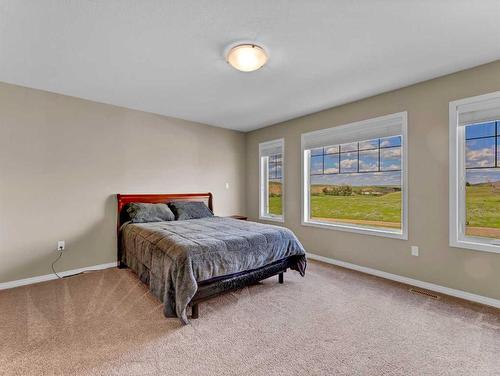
(272, 219)
(359, 230)
(475, 244)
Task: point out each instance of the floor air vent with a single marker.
(425, 293)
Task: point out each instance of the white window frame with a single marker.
(360, 126)
(457, 175)
(263, 173)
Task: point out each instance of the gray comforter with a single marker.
(171, 257)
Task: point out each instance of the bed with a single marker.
(185, 262)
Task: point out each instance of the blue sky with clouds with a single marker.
(325, 169)
(480, 153)
(479, 159)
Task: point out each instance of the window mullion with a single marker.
(496, 143)
(358, 157)
(323, 160)
(379, 155)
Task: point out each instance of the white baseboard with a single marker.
(410, 281)
(393, 277)
(48, 277)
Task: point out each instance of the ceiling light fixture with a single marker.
(246, 57)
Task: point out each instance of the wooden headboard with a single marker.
(124, 199)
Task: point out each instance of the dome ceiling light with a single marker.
(247, 57)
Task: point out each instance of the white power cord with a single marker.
(60, 249)
(54, 262)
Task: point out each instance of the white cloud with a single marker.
(392, 167)
(367, 166)
(391, 153)
(385, 143)
(476, 155)
(348, 163)
(332, 170)
(480, 157)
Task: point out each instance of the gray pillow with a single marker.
(190, 210)
(140, 212)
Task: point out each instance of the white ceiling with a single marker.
(166, 56)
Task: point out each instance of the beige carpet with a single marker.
(332, 322)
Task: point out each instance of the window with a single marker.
(354, 177)
(475, 173)
(271, 156)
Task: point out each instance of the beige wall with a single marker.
(63, 159)
(427, 106)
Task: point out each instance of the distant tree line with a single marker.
(338, 190)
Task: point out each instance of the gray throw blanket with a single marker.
(171, 257)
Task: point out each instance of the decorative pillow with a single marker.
(190, 210)
(140, 212)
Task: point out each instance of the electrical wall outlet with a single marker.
(414, 250)
(227, 185)
(61, 244)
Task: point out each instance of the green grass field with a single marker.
(356, 208)
(385, 208)
(275, 202)
(482, 204)
(483, 209)
(275, 205)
